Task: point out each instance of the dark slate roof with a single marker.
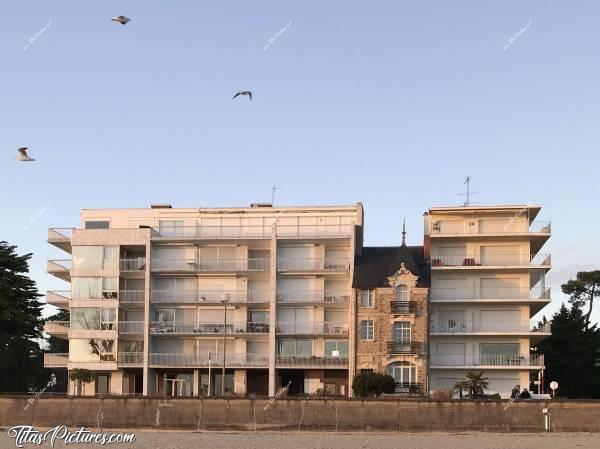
(376, 263)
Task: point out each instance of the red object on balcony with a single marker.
(469, 262)
(436, 262)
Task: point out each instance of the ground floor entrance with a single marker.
(333, 382)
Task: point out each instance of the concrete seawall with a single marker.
(291, 414)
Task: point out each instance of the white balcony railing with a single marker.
(135, 264)
(299, 360)
(130, 358)
(313, 264)
(208, 296)
(491, 293)
(536, 360)
(510, 226)
(313, 296)
(323, 328)
(308, 231)
(214, 232)
(199, 328)
(210, 265)
(56, 360)
(131, 327)
(466, 326)
(496, 260)
(131, 296)
(204, 359)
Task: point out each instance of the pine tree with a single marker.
(20, 323)
(571, 353)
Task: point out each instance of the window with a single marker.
(97, 224)
(94, 288)
(366, 298)
(110, 287)
(171, 228)
(401, 293)
(499, 353)
(295, 348)
(95, 257)
(258, 317)
(401, 332)
(336, 348)
(404, 373)
(102, 383)
(367, 331)
(91, 350)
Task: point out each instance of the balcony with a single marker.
(132, 296)
(324, 328)
(492, 327)
(509, 227)
(497, 260)
(131, 327)
(130, 359)
(309, 265)
(61, 238)
(408, 388)
(313, 296)
(58, 298)
(60, 268)
(56, 360)
(58, 329)
(394, 347)
(403, 307)
(488, 361)
(216, 360)
(311, 361)
(491, 293)
(210, 265)
(136, 264)
(194, 328)
(299, 231)
(213, 232)
(208, 296)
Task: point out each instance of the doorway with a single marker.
(295, 379)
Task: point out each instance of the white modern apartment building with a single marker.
(161, 298)
(487, 281)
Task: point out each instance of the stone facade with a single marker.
(402, 301)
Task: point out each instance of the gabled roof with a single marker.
(376, 263)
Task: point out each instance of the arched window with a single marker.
(401, 293)
(404, 373)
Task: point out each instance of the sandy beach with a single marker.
(151, 439)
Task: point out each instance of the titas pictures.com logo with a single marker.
(29, 435)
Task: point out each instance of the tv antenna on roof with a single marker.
(274, 189)
(468, 193)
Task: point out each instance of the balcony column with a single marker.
(273, 309)
(147, 283)
(239, 381)
(352, 325)
(196, 383)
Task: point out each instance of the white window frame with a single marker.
(370, 327)
(369, 296)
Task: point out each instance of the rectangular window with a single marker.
(110, 287)
(110, 257)
(171, 228)
(367, 330)
(87, 257)
(102, 383)
(83, 318)
(499, 353)
(295, 348)
(91, 350)
(367, 298)
(86, 288)
(97, 224)
(401, 332)
(336, 348)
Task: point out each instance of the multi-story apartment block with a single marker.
(392, 315)
(488, 278)
(160, 299)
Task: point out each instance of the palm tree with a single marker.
(460, 386)
(476, 384)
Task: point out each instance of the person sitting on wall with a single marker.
(514, 394)
(525, 394)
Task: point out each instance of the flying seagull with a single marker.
(23, 156)
(243, 92)
(121, 19)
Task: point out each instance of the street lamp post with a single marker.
(225, 297)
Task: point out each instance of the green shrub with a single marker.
(372, 384)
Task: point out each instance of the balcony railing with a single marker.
(465, 326)
(56, 360)
(130, 358)
(509, 227)
(132, 296)
(496, 260)
(491, 293)
(179, 328)
(488, 360)
(325, 328)
(414, 347)
(208, 296)
(311, 361)
(403, 307)
(131, 327)
(215, 232)
(313, 264)
(210, 265)
(231, 360)
(408, 387)
(135, 264)
(309, 231)
(59, 234)
(314, 296)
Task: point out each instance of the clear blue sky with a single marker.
(391, 103)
